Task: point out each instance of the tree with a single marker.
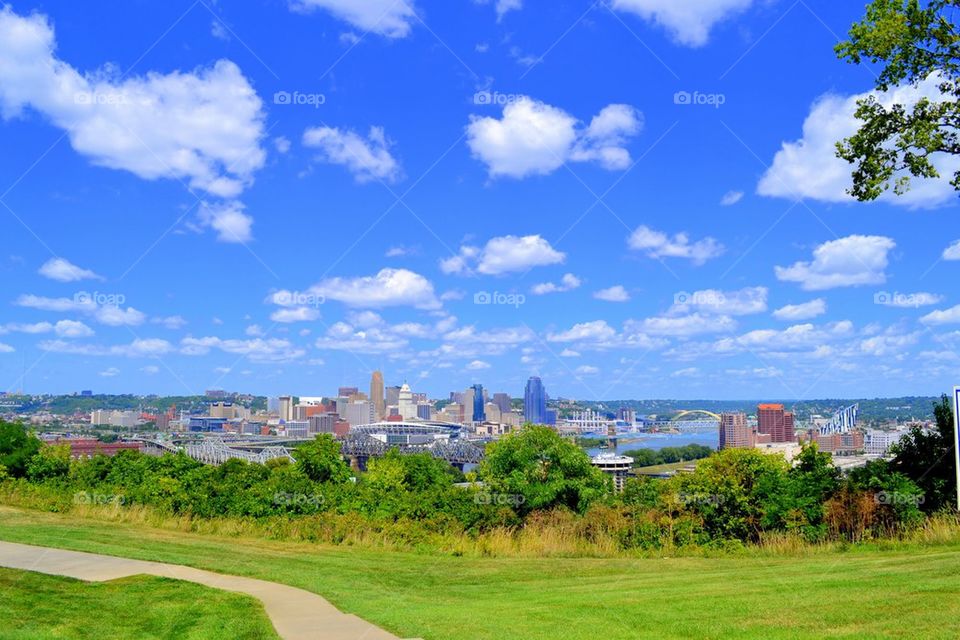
(914, 42)
(538, 469)
(810, 482)
(49, 463)
(16, 448)
(320, 460)
(929, 461)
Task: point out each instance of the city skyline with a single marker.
(345, 215)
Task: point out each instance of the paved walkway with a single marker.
(296, 614)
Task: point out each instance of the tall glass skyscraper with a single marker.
(479, 415)
(535, 401)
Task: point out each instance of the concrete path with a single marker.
(296, 614)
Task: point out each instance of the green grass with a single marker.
(908, 591)
(36, 607)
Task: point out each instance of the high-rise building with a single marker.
(346, 392)
(392, 396)
(322, 423)
(376, 394)
(359, 412)
(286, 408)
(424, 410)
(405, 403)
(535, 401)
(479, 415)
(772, 420)
(735, 433)
(503, 402)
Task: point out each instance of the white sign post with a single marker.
(956, 437)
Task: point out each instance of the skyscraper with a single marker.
(286, 408)
(405, 403)
(479, 415)
(735, 433)
(535, 401)
(376, 395)
(502, 400)
(777, 423)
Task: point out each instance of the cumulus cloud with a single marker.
(63, 328)
(616, 293)
(568, 282)
(743, 302)
(657, 244)
(945, 316)
(803, 311)
(5, 348)
(63, 270)
(389, 18)
(272, 350)
(846, 262)
(809, 168)
(478, 365)
(952, 252)
(388, 288)
(366, 158)
(295, 314)
(503, 255)
(108, 314)
(587, 370)
(139, 348)
(534, 138)
(346, 337)
(228, 220)
(688, 22)
(503, 6)
(681, 326)
(203, 127)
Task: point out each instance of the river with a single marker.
(626, 442)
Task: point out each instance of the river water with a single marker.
(705, 437)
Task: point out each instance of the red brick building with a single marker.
(775, 422)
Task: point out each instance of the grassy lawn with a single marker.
(904, 593)
(37, 607)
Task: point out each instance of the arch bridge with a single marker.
(684, 414)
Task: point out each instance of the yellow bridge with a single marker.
(688, 412)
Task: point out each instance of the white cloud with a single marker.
(63, 270)
(281, 144)
(689, 372)
(533, 138)
(569, 353)
(118, 317)
(509, 336)
(615, 293)
(72, 329)
(367, 159)
(503, 6)
(110, 373)
(503, 255)
(731, 198)
(390, 18)
(272, 350)
(139, 348)
(388, 288)
(228, 220)
(478, 365)
(170, 322)
(846, 262)
(345, 337)
(657, 244)
(295, 314)
(809, 168)
(952, 252)
(203, 127)
(803, 311)
(150, 370)
(401, 251)
(5, 348)
(587, 370)
(568, 282)
(595, 331)
(689, 22)
(945, 316)
(112, 315)
(693, 324)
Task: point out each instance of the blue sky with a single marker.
(627, 198)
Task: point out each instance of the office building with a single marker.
(392, 396)
(535, 401)
(424, 410)
(408, 409)
(772, 420)
(878, 443)
(735, 432)
(322, 423)
(377, 395)
(297, 428)
(346, 392)
(286, 408)
(359, 412)
(479, 415)
(503, 402)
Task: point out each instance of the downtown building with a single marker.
(736, 432)
(535, 402)
(775, 422)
